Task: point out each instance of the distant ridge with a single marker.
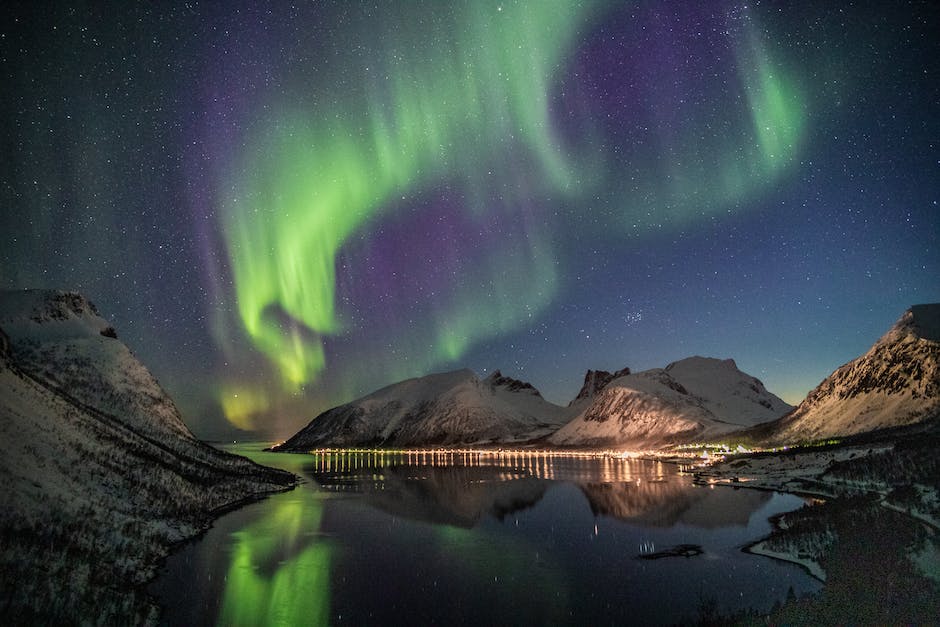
(451, 408)
(894, 384)
(695, 398)
(594, 382)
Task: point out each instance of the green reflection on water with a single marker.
(280, 568)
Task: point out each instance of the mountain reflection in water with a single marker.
(460, 488)
(462, 538)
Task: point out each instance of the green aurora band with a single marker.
(706, 164)
(462, 100)
(313, 179)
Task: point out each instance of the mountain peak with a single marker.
(697, 397)
(896, 383)
(922, 321)
(42, 305)
(440, 409)
(59, 337)
(595, 381)
(50, 315)
(697, 362)
(91, 442)
(497, 379)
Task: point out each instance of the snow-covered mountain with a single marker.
(896, 383)
(695, 398)
(60, 339)
(448, 408)
(594, 382)
(100, 474)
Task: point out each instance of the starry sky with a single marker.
(284, 207)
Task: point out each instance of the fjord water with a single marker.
(451, 538)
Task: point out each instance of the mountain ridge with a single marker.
(895, 383)
(594, 382)
(449, 408)
(457, 408)
(693, 398)
(96, 459)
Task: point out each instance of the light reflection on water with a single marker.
(464, 538)
(551, 466)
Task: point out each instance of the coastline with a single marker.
(810, 566)
(812, 537)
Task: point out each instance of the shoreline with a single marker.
(810, 566)
(798, 476)
(151, 572)
(753, 548)
(803, 474)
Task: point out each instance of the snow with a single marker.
(634, 409)
(56, 336)
(895, 383)
(43, 316)
(794, 471)
(697, 397)
(811, 566)
(727, 393)
(412, 391)
(100, 474)
(443, 408)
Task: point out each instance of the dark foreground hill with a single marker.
(100, 475)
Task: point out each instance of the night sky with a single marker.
(283, 208)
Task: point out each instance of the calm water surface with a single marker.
(467, 539)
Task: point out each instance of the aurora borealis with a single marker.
(284, 208)
(315, 176)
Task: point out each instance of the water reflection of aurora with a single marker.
(281, 565)
(434, 538)
(280, 570)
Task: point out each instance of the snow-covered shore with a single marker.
(865, 473)
(761, 548)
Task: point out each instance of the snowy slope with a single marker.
(100, 474)
(447, 408)
(59, 338)
(895, 383)
(729, 394)
(695, 398)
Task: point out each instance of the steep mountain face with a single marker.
(695, 398)
(448, 408)
(59, 339)
(594, 382)
(896, 383)
(100, 474)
